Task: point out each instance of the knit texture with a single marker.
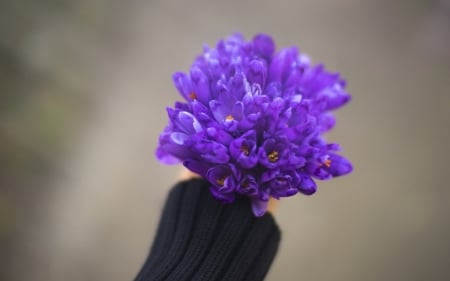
(199, 238)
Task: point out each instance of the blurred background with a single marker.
(83, 90)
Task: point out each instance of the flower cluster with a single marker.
(253, 120)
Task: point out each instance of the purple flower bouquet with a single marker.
(253, 119)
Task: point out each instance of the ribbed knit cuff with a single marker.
(199, 238)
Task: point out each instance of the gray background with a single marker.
(84, 86)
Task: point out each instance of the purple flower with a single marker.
(243, 150)
(253, 119)
(224, 180)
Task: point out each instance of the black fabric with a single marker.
(199, 238)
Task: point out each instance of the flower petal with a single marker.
(264, 45)
(259, 207)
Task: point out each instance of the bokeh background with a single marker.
(83, 90)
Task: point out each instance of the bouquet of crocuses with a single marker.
(253, 119)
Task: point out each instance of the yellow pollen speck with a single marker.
(220, 181)
(229, 118)
(273, 156)
(193, 96)
(327, 163)
(244, 149)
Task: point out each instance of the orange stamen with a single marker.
(192, 96)
(221, 181)
(245, 150)
(273, 156)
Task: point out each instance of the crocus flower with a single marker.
(253, 120)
